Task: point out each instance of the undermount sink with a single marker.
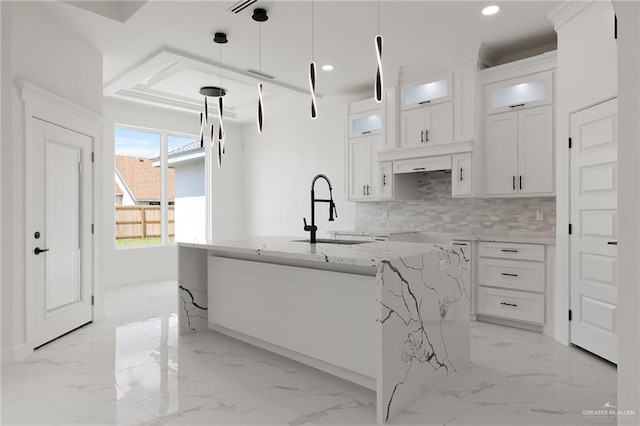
(333, 241)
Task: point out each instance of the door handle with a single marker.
(38, 250)
(612, 243)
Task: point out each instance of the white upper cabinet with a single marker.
(427, 90)
(461, 175)
(519, 152)
(425, 126)
(365, 123)
(521, 92)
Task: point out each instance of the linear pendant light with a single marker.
(378, 89)
(220, 38)
(260, 15)
(312, 73)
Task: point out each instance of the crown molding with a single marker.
(567, 11)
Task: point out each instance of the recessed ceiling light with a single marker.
(327, 67)
(490, 10)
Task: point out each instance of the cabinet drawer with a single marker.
(511, 274)
(512, 251)
(509, 304)
(425, 164)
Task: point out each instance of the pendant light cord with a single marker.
(312, 34)
(378, 16)
(260, 46)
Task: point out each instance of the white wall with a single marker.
(629, 207)
(133, 265)
(281, 162)
(37, 49)
(586, 75)
(190, 203)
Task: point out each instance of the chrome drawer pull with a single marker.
(508, 275)
(508, 304)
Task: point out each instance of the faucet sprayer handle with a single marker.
(332, 208)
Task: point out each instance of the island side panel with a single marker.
(423, 325)
(192, 290)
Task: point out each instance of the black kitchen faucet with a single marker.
(332, 208)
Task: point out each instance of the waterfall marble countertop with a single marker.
(525, 238)
(367, 254)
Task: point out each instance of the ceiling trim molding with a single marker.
(567, 11)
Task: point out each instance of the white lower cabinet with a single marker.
(515, 305)
(512, 279)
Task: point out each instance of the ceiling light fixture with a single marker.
(378, 89)
(260, 15)
(328, 67)
(220, 38)
(490, 10)
(312, 73)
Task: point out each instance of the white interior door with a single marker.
(594, 216)
(60, 241)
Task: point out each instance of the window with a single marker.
(145, 185)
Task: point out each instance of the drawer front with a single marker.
(512, 251)
(509, 304)
(425, 164)
(511, 274)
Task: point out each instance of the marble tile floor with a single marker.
(133, 368)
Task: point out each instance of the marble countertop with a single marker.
(368, 254)
(528, 238)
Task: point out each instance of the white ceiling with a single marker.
(414, 31)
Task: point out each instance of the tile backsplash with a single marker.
(435, 210)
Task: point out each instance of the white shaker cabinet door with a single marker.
(535, 150)
(502, 153)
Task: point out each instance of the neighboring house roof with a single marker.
(189, 152)
(142, 179)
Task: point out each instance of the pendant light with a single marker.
(312, 73)
(260, 15)
(378, 89)
(220, 39)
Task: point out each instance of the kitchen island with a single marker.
(390, 316)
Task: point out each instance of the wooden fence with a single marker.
(141, 221)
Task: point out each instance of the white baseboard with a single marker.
(16, 353)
